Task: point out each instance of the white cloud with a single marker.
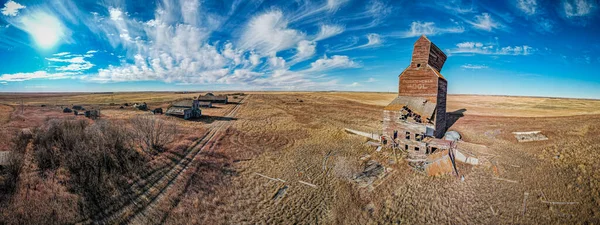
(327, 31)
(492, 49)
(269, 33)
(355, 84)
(418, 28)
(276, 62)
(91, 52)
(485, 22)
(374, 40)
(35, 75)
(371, 80)
(12, 8)
(578, 8)
(76, 67)
(69, 60)
(529, 7)
(304, 51)
(335, 62)
(474, 67)
(115, 14)
(75, 62)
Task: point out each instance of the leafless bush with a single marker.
(153, 133)
(58, 137)
(98, 156)
(13, 169)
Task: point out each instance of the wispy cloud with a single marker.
(474, 67)
(35, 75)
(373, 40)
(269, 32)
(485, 22)
(354, 84)
(456, 6)
(11, 8)
(529, 7)
(578, 8)
(491, 49)
(371, 80)
(327, 31)
(418, 28)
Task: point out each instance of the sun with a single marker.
(45, 29)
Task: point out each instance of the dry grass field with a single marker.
(284, 158)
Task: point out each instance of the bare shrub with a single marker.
(153, 133)
(56, 138)
(18, 146)
(99, 157)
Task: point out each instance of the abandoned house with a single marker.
(210, 97)
(92, 114)
(417, 117)
(185, 108)
(205, 104)
(78, 107)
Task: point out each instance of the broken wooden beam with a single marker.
(270, 178)
(507, 180)
(560, 203)
(309, 184)
(525, 195)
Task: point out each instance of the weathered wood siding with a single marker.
(440, 111)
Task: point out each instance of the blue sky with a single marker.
(515, 47)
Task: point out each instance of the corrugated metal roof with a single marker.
(184, 103)
(419, 105)
(180, 111)
(212, 98)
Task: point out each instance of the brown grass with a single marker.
(280, 137)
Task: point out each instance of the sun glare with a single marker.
(45, 29)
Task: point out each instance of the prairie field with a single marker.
(284, 158)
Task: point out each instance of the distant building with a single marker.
(210, 97)
(186, 109)
(78, 107)
(92, 114)
(417, 116)
(205, 104)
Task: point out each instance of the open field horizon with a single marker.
(482, 105)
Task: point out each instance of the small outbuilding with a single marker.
(92, 114)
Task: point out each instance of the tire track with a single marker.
(139, 206)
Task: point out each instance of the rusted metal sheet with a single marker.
(438, 164)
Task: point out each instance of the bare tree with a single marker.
(153, 133)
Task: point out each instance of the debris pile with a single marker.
(530, 136)
(373, 171)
